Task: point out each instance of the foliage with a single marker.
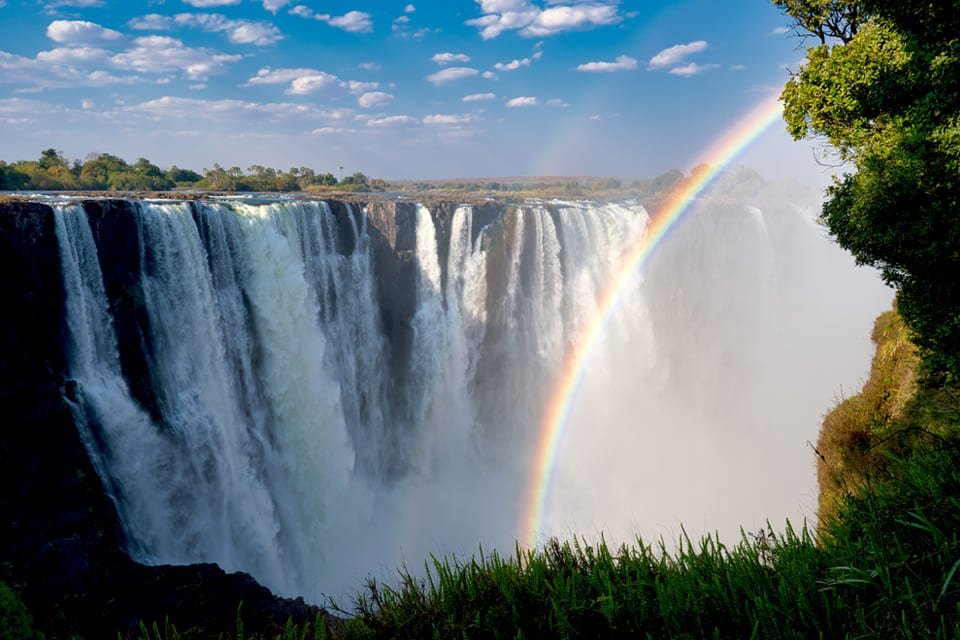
(15, 621)
(886, 97)
(107, 172)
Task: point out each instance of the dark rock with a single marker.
(61, 542)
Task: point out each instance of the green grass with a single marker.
(886, 568)
(884, 562)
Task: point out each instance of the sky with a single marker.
(428, 89)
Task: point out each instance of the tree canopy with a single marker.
(105, 172)
(882, 88)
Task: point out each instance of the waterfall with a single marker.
(285, 428)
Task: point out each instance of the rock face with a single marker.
(61, 540)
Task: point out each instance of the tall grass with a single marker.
(888, 567)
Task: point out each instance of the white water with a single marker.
(287, 447)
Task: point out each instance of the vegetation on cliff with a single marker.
(881, 87)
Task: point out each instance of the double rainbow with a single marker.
(716, 158)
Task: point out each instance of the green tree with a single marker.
(882, 89)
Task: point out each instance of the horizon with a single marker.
(486, 88)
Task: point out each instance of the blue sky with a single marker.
(432, 88)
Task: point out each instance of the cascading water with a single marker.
(286, 430)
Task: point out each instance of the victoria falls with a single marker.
(479, 319)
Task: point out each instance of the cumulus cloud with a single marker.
(374, 99)
(513, 65)
(152, 22)
(450, 58)
(238, 31)
(160, 54)
(306, 85)
(532, 20)
(522, 101)
(80, 31)
(74, 56)
(275, 5)
(59, 68)
(691, 69)
(489, 75)
(352, 21)
(448, 119)
(450, 74)
(779, 31)
(390, 121)
(304, 81)
(479, 97)
(672, 56)
(409, 8)
(218, 110)
(369, 66)
(53, 5)
(622, 63)
(203, 4)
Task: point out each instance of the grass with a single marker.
(884, 562)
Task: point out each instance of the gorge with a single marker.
(312, 392)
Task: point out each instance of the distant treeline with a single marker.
(573, 187)
(106, 172)
(52, 171)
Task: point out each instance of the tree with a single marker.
(883, 89)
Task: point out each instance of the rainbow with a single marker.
(716, 158)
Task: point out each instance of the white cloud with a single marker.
(160, 54)
(448, 119)
(203, 4)
(3, 3)
(779, 31)
(80, 31)
(58, 68)
(374, 99)
(176, 107)
(306, 85)
(559, 19)
(738, 67)
(87, 104)
(74, 56)
(390, 121)
(369, 66)
(479, 97)
(279, 76)
(151, 22)
(676, 54)
(329, 131)
(355, 87)
(409, 8)
(534, 21)
(400, 21)
(691, 69)
(557, 102)
(450, 58)
(352, 21)
(489, 75)
(304, 81)
(522, 101)
(275, 5)
(513, 65)
(450, 74)
(53, 5)
(622, 63)
(238, 31)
